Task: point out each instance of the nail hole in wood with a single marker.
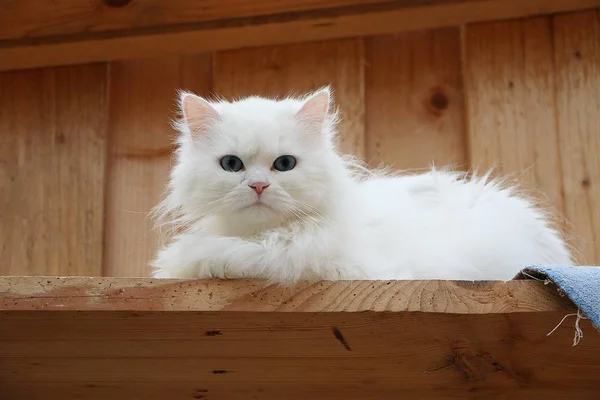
(117, 3)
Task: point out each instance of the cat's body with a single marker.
(324, 219)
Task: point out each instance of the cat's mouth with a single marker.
(258, 205)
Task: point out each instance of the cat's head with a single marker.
(256, 159)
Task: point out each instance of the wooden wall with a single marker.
(84, 150)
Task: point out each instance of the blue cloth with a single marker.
(580, 284)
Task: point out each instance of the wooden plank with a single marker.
(511, 105)
(577, 64)
(143, 101)
(279, 70)
(297, 391)
(36, 18)
(138, 294)
(388, 17)
(52, 161)
(415, 113)
(436, 339)
(116, 354)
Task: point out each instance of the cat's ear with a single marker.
(198, 114)
(315, 109)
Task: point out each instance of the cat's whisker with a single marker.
(297, 214)
(309, 208)
(305, 218)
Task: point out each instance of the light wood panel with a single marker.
(436, 339)
(52, 162)
(415, 113)
(511, 107)
(577, 64)
(281, 70)
(532, 101)
(341, 22)
(143, 103)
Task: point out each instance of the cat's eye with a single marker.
(232, 163)
(284, 163)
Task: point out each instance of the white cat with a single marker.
(259, 191)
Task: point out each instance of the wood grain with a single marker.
(423, 354)
(577, 64)
(415, 114)
(35, 18)
(121, 294)
(52, 161)
(143, 103)
(464, 341)
(387, 17)
(300, 68)
(511, 104)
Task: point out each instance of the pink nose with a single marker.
(259, 186)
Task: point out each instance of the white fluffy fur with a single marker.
(328, 218)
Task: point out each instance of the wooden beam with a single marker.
(145, 294)
(232, 28)
(38, 18)
(99, 338)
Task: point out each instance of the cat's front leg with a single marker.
(286, 256)
(181, 259)
(206, 256)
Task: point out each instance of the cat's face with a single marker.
(258, 159)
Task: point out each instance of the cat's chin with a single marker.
(258, 212)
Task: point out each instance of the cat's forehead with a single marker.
(257, 125)
(256, 109)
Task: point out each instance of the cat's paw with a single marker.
(199, 269)
(162, 274)
(215, 269)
